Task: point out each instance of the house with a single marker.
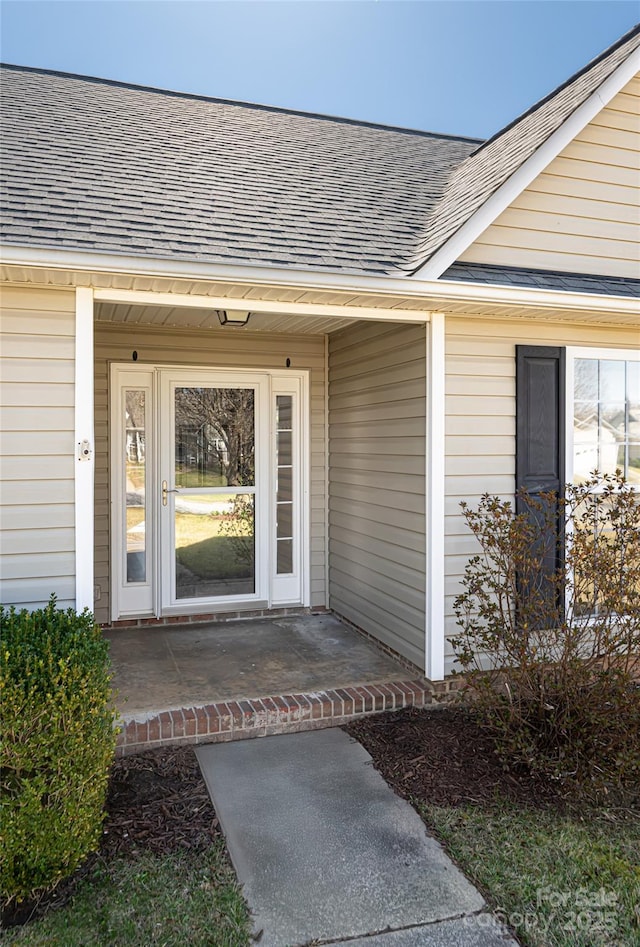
(253, 359)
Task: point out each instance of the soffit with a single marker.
(243, 293)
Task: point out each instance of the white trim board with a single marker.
(433, 293)
(84, 451)
(534, 165)
(435, 497)
(440, 291)
(264, 306)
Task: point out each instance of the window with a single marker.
(603, 433)
(603, 413)
(577, 410)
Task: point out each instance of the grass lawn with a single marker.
(558, 880)
(204, 546)
(560, 875)
(184, 898)
(190, 477)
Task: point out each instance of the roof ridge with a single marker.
(118, 83)
(563, 85)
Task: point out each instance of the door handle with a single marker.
(166, 491)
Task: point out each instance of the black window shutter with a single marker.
(540, 429)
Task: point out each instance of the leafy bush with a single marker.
(58, 741)
(550, 630)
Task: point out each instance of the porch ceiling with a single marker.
(187, 318)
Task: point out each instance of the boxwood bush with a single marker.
(57, 745)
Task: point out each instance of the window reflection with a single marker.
(606, 418)
(215, 437)
(135, 482)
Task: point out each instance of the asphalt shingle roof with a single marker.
(107, 167)
(543, 279)
(102, 166)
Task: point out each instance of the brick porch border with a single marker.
(283, 713)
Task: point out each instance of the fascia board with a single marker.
(434, 292)
(469, 232)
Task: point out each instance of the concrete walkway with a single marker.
(327, 852)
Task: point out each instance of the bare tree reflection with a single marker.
(215, 442)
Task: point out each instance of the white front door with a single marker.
(209, 490)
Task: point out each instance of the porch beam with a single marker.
(84, 449)
(435, 494)
(132, 297)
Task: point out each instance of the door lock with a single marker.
(166, 491)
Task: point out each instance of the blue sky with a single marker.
(462, 66)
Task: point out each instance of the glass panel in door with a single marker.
(214, 492)
(284, 485)
(135, 431)
(133, 509)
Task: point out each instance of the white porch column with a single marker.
(84, 448)
(435, 491)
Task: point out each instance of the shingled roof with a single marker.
(107, 167)
(543, 279)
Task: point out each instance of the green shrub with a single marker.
(550, 631)
(58, 742)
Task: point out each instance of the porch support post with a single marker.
(84, 448)
(435, 492)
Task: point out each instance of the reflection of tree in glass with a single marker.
(238, 528)
(134, 425)
(215, 429)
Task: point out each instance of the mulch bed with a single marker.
(158, 802)
(443, 758)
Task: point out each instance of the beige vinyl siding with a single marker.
(480, 420)
(377, 482)
(582, 214)
(212, 349)
(37, 525)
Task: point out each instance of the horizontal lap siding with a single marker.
(480, 420)
(37, 524)
(582, 214)
(377, 482)
(211, 349)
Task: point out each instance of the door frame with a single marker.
(274, 382)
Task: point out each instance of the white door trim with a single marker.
(155, 377)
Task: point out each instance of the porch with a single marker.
(208, 682)
(331, 420)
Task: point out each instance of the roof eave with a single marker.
(435, 293)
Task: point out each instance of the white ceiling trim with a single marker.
(134, 297)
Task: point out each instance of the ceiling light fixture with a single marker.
(233, 317)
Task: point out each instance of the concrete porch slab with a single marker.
(219, 682)
(326, 851)
(176, 666)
